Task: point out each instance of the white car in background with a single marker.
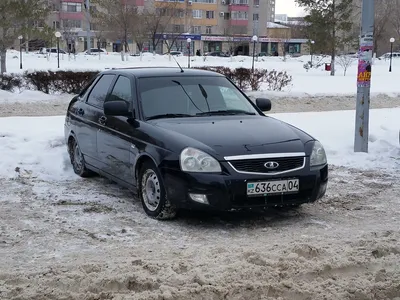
(386, 56)
(95, 51)
(46, 51)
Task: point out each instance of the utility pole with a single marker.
(88, 26)
(364, 76)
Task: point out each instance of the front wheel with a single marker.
(152, 193)
(77, 160)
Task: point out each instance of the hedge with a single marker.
(71, 82)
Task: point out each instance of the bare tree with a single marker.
(395, 20)
(159, 19)
(68, 34)
(119, 17)
(283, 42)
(14, 15)
(383, 15)
(345, 61)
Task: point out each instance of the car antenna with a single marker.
(177, 64)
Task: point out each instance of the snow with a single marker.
(64, 237)
(275, 25)
(36, 144)
(315, 82)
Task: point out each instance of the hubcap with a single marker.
(78, 159)
(151, 192)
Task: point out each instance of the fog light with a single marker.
(200, 198)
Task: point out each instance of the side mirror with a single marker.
(117, 108)
(264, 104)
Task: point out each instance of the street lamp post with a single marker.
(58, 35)
(254, 39)
(20, 51)
(189, 41)
(311, 51)
(391, 53)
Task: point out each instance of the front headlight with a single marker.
(194, 160)
(318, 155)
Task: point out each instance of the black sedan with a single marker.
(183, 138)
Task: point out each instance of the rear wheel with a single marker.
(77, 160)
(152, 193)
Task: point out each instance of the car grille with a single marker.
(258, 165)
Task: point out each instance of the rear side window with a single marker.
(122, 90)
(99, 92)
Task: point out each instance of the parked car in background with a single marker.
(184, 138)
(46, 51)
(395, 55)
(96, 51)
(217, 53)
(175, 53)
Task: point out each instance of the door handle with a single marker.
(102, 120)
(81, 112)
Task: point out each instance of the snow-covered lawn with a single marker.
(314, 82)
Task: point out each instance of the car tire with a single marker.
(77, 160)
(152, 193)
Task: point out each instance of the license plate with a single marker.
(273, 187)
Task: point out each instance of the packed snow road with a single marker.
(89, 239)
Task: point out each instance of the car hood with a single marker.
(235, 135)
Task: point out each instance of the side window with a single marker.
(99, 92)
(122, 90)
(88, 87)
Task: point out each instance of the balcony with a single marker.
(72, 15)
(238, 22)
(238, 7)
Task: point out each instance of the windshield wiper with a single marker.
(169, 116)
(225, 112)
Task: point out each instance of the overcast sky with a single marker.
(288, 7)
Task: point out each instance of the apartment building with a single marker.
(212, 25)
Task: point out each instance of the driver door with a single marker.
(115, 143)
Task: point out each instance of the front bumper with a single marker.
(229, 191)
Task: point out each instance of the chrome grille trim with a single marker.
(264, 155)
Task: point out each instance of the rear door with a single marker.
(115, 141)
(90, 112)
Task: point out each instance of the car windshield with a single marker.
(190, 96)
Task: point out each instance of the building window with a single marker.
(196, 29)
(178, 28)
(208, 30)
(56, 25)
(55, 6)
(255, 17)
(71, 7)
(256, 2)
(197, 14)
(209, 14)
(226, 16)
(71, 24)
(240, 15)
(240, 2)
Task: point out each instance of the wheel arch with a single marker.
(139, 163)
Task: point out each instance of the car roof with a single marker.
(160, 72)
